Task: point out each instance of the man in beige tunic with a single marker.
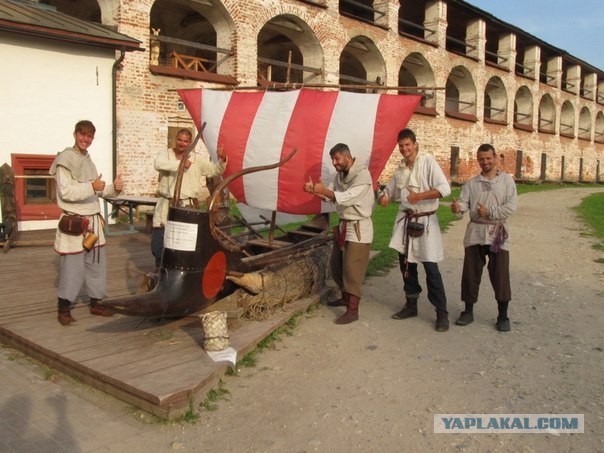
(353, 195)
(196, 167)
(79, 187)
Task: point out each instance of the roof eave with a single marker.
(63, 35)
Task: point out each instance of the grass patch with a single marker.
(214, 396)
(49, 374)
(190, 417)
(591, 211)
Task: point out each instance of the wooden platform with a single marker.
(160, 367)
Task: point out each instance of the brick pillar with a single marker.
(554, 72)
(573, 79)
(436, 19)
(531, 61)
(506, 52)
(476, 39)
(589, 86)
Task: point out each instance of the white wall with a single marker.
(45, 88)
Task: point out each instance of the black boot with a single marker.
(352, 311)
(64, 312)
(409, 310)
(98, 310)
(442, 321)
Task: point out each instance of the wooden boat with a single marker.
(209, 254)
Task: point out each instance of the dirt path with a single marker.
(375, 385)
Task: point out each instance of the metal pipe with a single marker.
(114, 69)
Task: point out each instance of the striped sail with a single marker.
(261, 128)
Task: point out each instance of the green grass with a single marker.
(591, 211)
(210, 403)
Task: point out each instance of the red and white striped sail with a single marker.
(261, 128)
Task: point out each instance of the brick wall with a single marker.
(147, 104)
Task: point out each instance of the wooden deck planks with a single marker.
(159, 367)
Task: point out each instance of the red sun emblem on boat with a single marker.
(214, 275)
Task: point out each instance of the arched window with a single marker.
(584, 124)
(567, 119)
(460, 94)
(523, 109)
(361, 63)
(416, 72)
(495, 101)
(547, 115)
(288, 51)
(191, 40)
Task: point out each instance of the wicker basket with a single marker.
(215, 330)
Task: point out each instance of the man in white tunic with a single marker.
(196, 167)
(489, 198)
(78, 189)
(418, 184)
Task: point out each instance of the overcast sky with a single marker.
(576, 27)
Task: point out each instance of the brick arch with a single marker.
(330, 34)
(523, 107)
(495, 101)
(584, 124)
(416, 71)
(460, 94)
(547, 114)
(567, 119)
(193, 22)
(285, 33)
(362, 62)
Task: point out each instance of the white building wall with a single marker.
(45, 88)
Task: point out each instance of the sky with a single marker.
(576, 27)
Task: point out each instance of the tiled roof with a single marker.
(22, 16)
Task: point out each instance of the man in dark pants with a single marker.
(353, 195)
(418, 184)
(490, 198)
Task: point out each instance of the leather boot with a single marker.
(341, 302)
(99, 310)
(442, 321)
(352, 311)
(409, 310)
(64, 312)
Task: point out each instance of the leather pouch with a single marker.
(73, 224)
(415, 229)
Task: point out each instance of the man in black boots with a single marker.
(490, 198)
(80, 238)
(418, 184)
(353, 195)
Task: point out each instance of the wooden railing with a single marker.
(181, 61)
